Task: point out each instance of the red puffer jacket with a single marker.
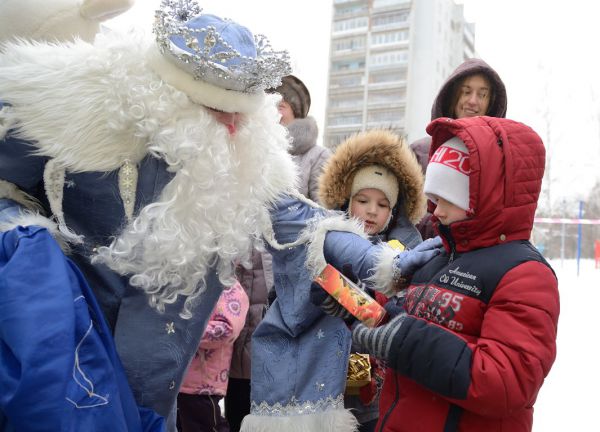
(480, 336)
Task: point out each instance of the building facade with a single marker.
(388, 59)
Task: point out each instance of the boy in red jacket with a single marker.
(476, 336)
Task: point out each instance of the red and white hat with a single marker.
(447, 174)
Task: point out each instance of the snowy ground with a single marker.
(570, 397)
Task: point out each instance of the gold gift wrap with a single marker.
(359, 372)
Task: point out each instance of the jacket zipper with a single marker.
(392, 406)
(445, 232)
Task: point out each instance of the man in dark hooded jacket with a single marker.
(473, 89)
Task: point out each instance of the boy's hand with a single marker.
(395, 305)
(376, 341)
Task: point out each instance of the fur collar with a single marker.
(90, 107)
(304, 135)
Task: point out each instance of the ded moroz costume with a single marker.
(113, 147)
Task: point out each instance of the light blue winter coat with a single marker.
(299, 354)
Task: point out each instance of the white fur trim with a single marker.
(11, 191)
(101, 10)
(269, 235)
(315, 259)
(202, 92)
(54, 182)
(338, 420)
(6, 122)
(384, 278)
(30, 219)
(56, 20)
(90, 107)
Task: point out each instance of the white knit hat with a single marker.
(447, 174)
(376, 177)
(56, 20)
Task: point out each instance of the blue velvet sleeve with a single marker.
(349, 252)
(292, 281)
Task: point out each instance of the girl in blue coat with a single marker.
(299, 353)
(375, 178)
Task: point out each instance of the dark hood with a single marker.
(442, 104)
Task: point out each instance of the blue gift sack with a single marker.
(59, 369)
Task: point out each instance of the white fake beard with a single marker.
(211, 213)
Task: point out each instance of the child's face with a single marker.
(447, 212)
(373, 208)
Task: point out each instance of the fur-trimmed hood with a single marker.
(377, 146)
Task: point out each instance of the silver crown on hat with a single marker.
(249, 75)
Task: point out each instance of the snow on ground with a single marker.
(570, 398)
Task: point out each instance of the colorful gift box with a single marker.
(351, 296)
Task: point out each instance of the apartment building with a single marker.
(388, 59)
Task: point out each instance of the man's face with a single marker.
(473, 97)
(287, 114)
(229, 120)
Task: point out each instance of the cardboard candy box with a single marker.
(351, 297)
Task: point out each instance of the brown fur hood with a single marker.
(376, 146)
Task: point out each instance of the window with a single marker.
(351, 101)
(350, 24)
(351, 9)
(345, 119)
(387, 38)
(387, 97)
(391, 117)
(335, 140)
(387, 77)
(346, 65)
(346, 81)
(386, 3)
(348, 44)
(390, 19)
(389, 58)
